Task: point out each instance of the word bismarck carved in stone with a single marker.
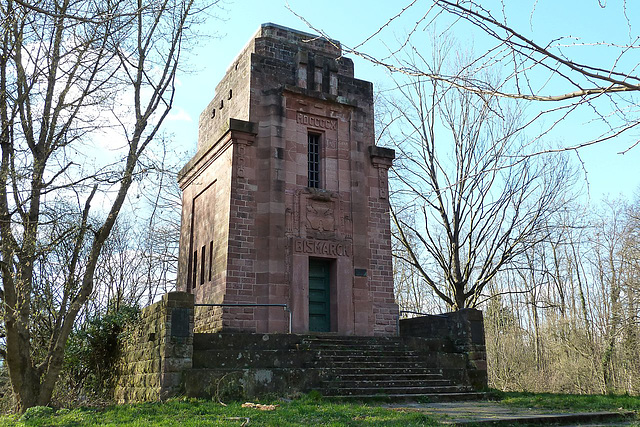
(320, 247)
(319, 122)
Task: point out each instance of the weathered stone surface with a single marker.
(151, 363)
(242, 365)
(250, 223)
(465, 330)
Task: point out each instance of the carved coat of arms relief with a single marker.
(320, 216)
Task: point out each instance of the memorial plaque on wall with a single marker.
(180, 322)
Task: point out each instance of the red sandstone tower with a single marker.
(286, 200)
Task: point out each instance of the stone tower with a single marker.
(286, 200)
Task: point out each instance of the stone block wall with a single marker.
(241, 268)
(465, 329)
(156, 351)
(385, 309)
(208, 319)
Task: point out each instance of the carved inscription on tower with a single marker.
(321, 247)
(317, 121)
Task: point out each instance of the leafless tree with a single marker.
(411, 293)
(550, 72)
(473, 209)
(580, 306)
(140, 258)
(84, 89)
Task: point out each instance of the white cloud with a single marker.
(178, 114)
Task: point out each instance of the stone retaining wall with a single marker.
(465, 329)
(156, 351)
(157, 359)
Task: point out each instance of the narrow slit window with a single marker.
(313, 160)
(190, 275)
(194, 273)
(210, 259)
(202, 266)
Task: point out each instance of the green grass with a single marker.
(187, 413)
(309, 410)
(571, 402)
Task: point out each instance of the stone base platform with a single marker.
(434, 358)
(250, 365)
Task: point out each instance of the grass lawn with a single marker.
(185, 413)
(305, 411)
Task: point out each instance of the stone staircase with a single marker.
(339, 367)
(394, 368)
(436, 357)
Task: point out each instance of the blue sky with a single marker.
(352, 21)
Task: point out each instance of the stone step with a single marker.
(358, 352)
(390, 376)
(244, 341)
(392, 365)
(345, 348)
(365, 358)
(241, 357)
(372, 341)
(403, 344)
(400, 353)
(431, 355)
(353, 346)
(324, 352)
(453, 374)
(234, 341)
(358, 366)
(399, 397)
(350, 338)
(355, 343)
(345, 391)
(366, 370)
(364, 383)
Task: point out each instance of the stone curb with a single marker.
(560, 419)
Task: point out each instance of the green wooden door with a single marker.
(319, 301)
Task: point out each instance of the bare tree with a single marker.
(410, 291)
(69, 70)
(546, 71)
(477, 210)
(579, 306)
(615, 274)
(140, 258)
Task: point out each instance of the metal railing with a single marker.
(413, 312)
(285, 306)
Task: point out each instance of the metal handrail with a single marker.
(285, 306)
(412, 312)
